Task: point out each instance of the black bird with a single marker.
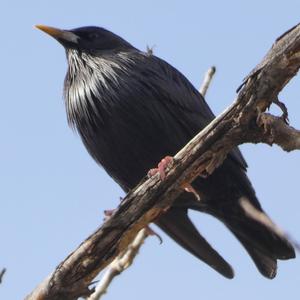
(131, 109)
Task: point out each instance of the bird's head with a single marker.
(87, 39)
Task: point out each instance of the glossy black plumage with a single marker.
(131, 109)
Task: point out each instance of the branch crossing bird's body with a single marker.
(131, 109)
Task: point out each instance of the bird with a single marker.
(131, 109)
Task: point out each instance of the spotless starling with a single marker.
(131, 109)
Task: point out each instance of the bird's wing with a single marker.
(185, 101)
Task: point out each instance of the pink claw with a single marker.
(161, 168)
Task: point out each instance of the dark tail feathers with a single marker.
(263, 244)
(260, 237)
(178, 226)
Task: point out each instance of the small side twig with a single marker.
(207, 80)
(2, 274)
(275, 130)
(120, 264)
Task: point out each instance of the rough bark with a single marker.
(243, 122)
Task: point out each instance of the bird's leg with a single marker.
(161, 168)
(188, 188)
(150, 231)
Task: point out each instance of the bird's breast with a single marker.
(112, 116)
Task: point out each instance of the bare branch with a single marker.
(236, 125)
(120, 264)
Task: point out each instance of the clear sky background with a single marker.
(53, 194)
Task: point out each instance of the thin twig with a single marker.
(207, 80)
(2, 274)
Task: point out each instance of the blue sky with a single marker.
(53, 194)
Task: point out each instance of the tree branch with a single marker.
(236, 125)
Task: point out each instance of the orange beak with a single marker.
(59, 34)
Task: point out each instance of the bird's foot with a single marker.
(150, 231)
(188, 188)
(108, 213)
(161, 168)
